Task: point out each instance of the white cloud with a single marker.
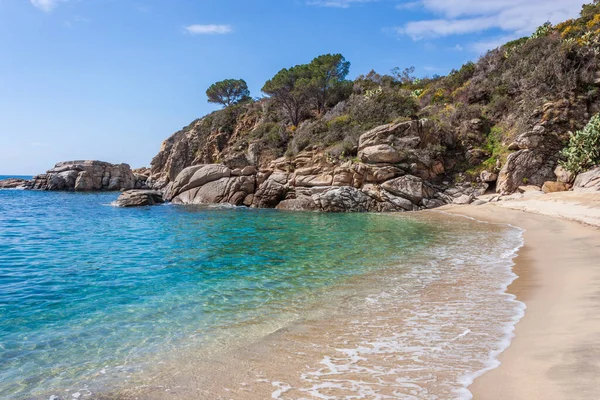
(208, 29)
(337, 3)
(46, 5)
(517, 17)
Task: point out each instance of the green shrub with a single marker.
(542, 31)
(583, 150)
(381, 107)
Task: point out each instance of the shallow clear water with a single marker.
(90, 292)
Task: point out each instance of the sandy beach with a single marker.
(556, 351)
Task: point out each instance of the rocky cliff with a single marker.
(398, 167)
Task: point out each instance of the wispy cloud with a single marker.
(444, 27)
(75, 21)
(337, 3)
(210, 29)
(46, 5)
(39, 144)
(515, 17)
(411, 5)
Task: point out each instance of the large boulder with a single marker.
(552, 187)
(382, 153)
(232, 190)
(139, 198)
(312, 180)
(271, 191)
(393, 143)
(196, 176)
(525, 167)
(385, 201)
(343, 199)
(588, 181)
(531, 139)
(488, 177)
(402, 135)
(382, 173)
(409, 187)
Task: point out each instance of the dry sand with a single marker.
(556, 351)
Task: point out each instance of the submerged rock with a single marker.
(139, 198)
(13, 183)
(344, 199)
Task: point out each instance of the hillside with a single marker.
(497, 123)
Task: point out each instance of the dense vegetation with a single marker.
(550, 78)
(583, 150)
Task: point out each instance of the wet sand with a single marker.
(556, 351)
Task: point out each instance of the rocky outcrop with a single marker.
(396, 171)
(139, 198)
(538, 150)
(588, 181)
(397, 168)
(534, 161)
(85, 176)
(14, 183)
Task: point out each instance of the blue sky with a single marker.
(111, 79)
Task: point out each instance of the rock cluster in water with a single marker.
(14, 183)
(139, 198)
(85, 176)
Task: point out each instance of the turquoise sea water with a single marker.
(2, 177)
(91, 294)
(85, 286)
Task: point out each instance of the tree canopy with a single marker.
(228, 92)
(310, 86)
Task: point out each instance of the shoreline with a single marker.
(555, 353)
(316, 343)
